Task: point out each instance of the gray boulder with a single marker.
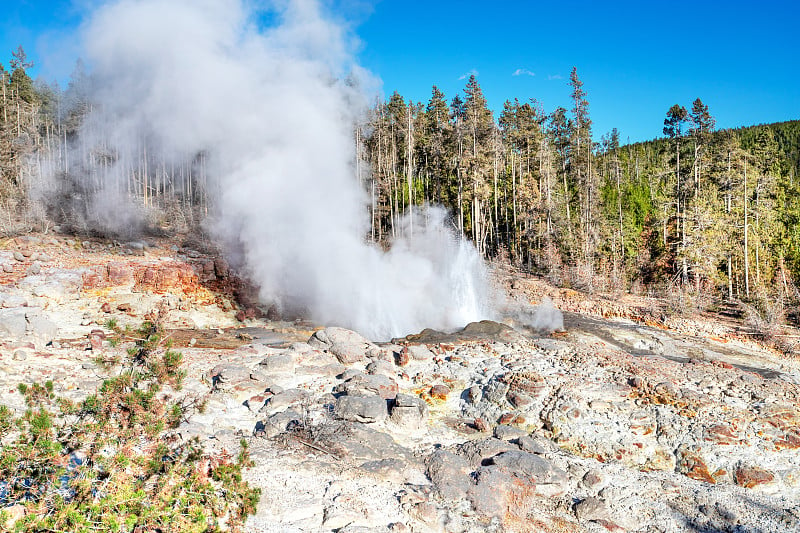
(489, 496)
(226, 376)
(527, 465)
(450, 473)
(368, 385)
(364, 409)
(277, 423)
(278, 364)
(476, 451)
(348, 346)
(285, 399)
(409, 412)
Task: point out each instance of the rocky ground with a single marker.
(627, 420)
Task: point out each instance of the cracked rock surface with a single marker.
(615, 424)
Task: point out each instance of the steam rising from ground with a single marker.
(265, 116)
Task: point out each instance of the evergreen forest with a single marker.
(703, 213)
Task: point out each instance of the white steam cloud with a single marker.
(270, 113)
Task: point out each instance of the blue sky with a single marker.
(636, 59)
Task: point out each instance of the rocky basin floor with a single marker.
(614, 424)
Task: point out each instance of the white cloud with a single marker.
(472, 72)
(523, 72)
(551, 77)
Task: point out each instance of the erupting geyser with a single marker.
(269, 113)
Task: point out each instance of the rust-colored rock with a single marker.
(440, 392)
(752, 476)
(518, 399)
(119, 273)
(93, 280)
(511, 418)
(720, 434)
(482, 425)
(789, 441)
(221, 268)
(402, 357)
(781, 416)
(693, 465)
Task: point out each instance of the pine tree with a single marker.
(580, 164)
(436, 151)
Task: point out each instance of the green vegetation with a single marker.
(700, 213)
(107, 463)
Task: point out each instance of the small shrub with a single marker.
(107, 464)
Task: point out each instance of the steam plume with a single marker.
(270, 115)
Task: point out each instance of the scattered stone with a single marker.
(381, 367)
(529, 444)
(492, 490)
(226, 375)
(692, 464)
(474, 394)
(518, 399)
(221, 268)
(495, 392)
(532, 466)
(284, 399)
(402, 357)
(720, 434)
(390, 468)
(592, 479)
(13, 323)
(277, 423)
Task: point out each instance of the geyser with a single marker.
(270, 114)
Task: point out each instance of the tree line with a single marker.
(698, 211)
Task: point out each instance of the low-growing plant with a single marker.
(108, 463)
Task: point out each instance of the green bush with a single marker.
(108, 464)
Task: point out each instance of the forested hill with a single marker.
(700, 212)
(786, 135)
(668, 214)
